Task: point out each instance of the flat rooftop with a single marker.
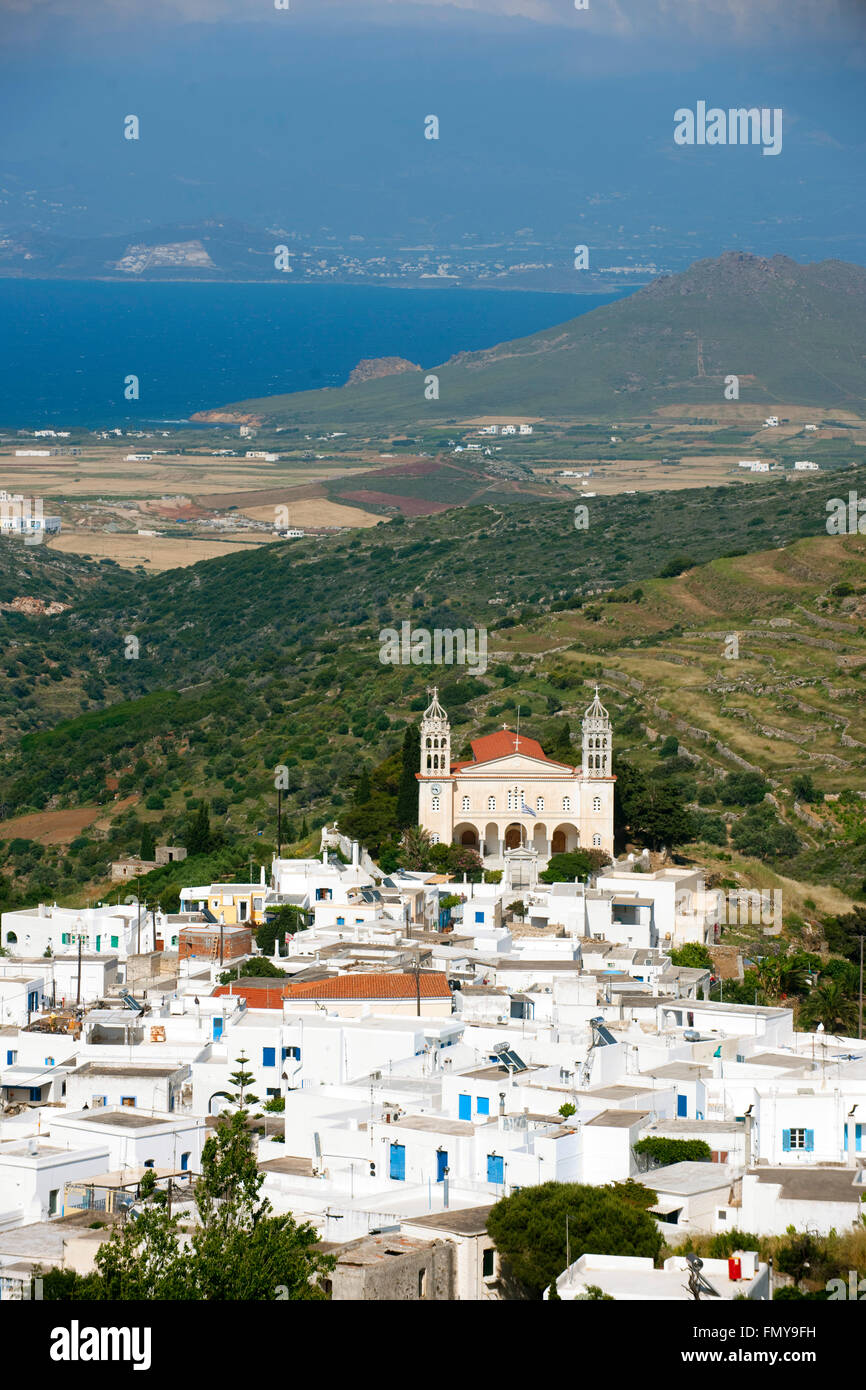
(471, 1221)
(125, 1119)
(688, 1178)
(122, 1070)
(618, 1119)
(811, 1184)
(433, 1124)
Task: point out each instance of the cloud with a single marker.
(714, 21)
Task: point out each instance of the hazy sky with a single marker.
(551, 118)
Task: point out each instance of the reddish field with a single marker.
(410, 506)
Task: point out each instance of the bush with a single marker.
(528, 1229)
(664, 1151)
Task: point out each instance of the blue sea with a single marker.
(66, 347)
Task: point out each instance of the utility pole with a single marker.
(222, 936)
(78, 986)
(138, 903)
(279, 822)
(418, 983)
(860, 1033)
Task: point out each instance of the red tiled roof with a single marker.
(266, 996)
(372, 985)
(501, 745)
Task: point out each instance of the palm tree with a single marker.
(829, 1004)
(415, 846)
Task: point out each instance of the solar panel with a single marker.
(508, 1057)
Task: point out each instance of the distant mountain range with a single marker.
(791, 334)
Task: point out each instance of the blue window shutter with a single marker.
(479, 916)
(482, 1105)
(9, 1058)
(786, 1140)
(464, 1107)
(810, 1140)
(858, 1139)
(495, 1168)
(269, 1056)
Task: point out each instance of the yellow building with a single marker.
(510, 795)
(235, 903)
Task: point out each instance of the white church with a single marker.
(510, 797)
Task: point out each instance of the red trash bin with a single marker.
(734, 1268)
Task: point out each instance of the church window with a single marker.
(434, 839)
(491, 803)
(434, 804)
(596, 840)
(596, 803)
(566, 803)
(539, 803)
(466, 803)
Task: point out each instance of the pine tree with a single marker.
(407, 792)
(241, 1080)
(363, 790)
(561, 748)
(198, 839)
(147, 849)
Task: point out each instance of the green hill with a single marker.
(271, 657)
(794, 334)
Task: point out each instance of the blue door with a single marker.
(464, 1107)
(682, 1106)
(217, 1028)
(441, 1165)
(398, 1162)
(32, 1002)
(495, 1168)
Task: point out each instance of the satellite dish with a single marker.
(698, 1285)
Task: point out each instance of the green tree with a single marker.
(804, 788)
(692, 955)
(242, 1080)
(147, 848)
(407, 791)
(198, 838)
(286, 918)
(529, 1230)
(414, 849)
(574, 866)
(829, 1004)
(238, 1250)
(663, 1151)
(143, 1260)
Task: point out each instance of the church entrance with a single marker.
(467, 836)
(557, 844)
(513, 837)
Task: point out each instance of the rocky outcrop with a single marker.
(225, 417)
(372, 368)
(34, 607)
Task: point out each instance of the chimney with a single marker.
(355, 854)
(749, 1123)
(262, 876)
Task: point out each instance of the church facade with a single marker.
(511, 796)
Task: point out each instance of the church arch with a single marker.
(466, 834)
(513, 836)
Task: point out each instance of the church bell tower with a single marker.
(435, 739)
(597, 740)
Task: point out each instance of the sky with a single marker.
(555, 123)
